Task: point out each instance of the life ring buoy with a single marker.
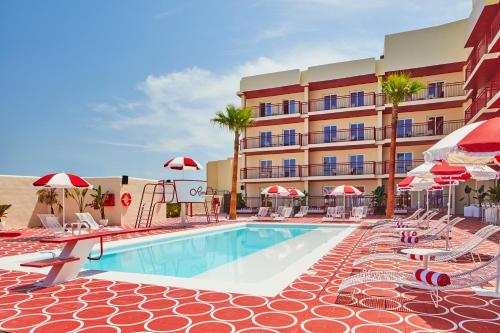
(126, 199)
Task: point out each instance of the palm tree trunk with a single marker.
(392, 162)
(234, 181)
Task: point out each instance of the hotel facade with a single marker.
(329, 125)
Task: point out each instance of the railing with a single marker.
(433, 91)
(420, 129)
(401, 166)
(477, 53)
(268, 109)
(272, 141)
(273, 172)
(477, 104)
(341, 102)
(343, 135)
(342, 169)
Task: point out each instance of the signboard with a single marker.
(190, 190)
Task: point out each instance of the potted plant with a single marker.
(3, 214)
(480, 197)
(79, 197)
(48, 196)
(468, 210)
(494, 194)
(98, 198)
(378, 200)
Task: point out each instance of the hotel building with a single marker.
(330, 124)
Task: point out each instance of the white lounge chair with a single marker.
(423, 219)
(278, 212)
(329, 216)
(435, 233)
(286, 213)
(413, 216)
(260, 214)
(51, 223)
(480, 236)
(389, 231)
(474, 277)
(302, 212)
(88, 219)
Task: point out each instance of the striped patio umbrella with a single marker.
(345, 190)
(62, 180)
(476, 144)
(275, 191)
(293, 192)
(182, 163)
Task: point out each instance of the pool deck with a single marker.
(309, 304)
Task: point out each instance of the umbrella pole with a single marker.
(63, 206)
(449, 210)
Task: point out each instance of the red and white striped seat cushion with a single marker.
(409, 239)
(432, 278)
(408, 233)
(419, 257)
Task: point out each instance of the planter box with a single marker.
(471, 211)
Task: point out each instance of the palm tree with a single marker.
(79, 197)
(234, 119)
(99, 197)
(396, 87)
(48, 196)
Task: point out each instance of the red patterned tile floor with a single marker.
(309, 304)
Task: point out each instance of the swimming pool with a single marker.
(248, 258)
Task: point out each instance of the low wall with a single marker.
(19, 192)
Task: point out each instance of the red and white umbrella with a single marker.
(293, 192)
(182, 163)
(345, 190)
(62, 180)
(445, 171)
(417, 184)
(476, 143)
(275, 190)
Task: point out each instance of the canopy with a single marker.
(477, 172)
(345, 190)
(182, 163)
(293, 192)
(275, 190)
(476, 143)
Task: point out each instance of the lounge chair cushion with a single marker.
(433, 278)
(408, 233)
(419, 257)
(409, 239)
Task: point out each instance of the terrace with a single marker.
(311, 303)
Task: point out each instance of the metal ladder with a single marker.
(152, 194)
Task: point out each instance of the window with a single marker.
(329, 166)
(357, 131)
(329, 102)
(357, 98)
(329, 134)
(435, 89)
(404, 128)
(435, 125)
(266, 139)
(266, 109)
(357, 164)
(404, 162)
(289, 137)
(266, 168)
(289, 167)
(289, 106)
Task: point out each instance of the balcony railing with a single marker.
(341, 102)
(272, 141)
(342, 169)
(433, 91)
(477, 53)
(268, 109)
(328, 169)
(482, 99)
(430, 128)
(401, 166)
(343, 135)
(273, 172)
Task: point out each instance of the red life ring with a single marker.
(126, 199)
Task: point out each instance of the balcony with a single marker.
(341, 169)
(342, 103)
(487, 97)
(402, 167)
(340, 137)
(272, 142)
(279, 109)
(274, 172)
(433, 93)
(419, 130)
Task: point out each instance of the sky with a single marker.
(118, 87)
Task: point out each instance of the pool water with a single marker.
(190, 256)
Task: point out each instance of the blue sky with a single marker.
(102, 88)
